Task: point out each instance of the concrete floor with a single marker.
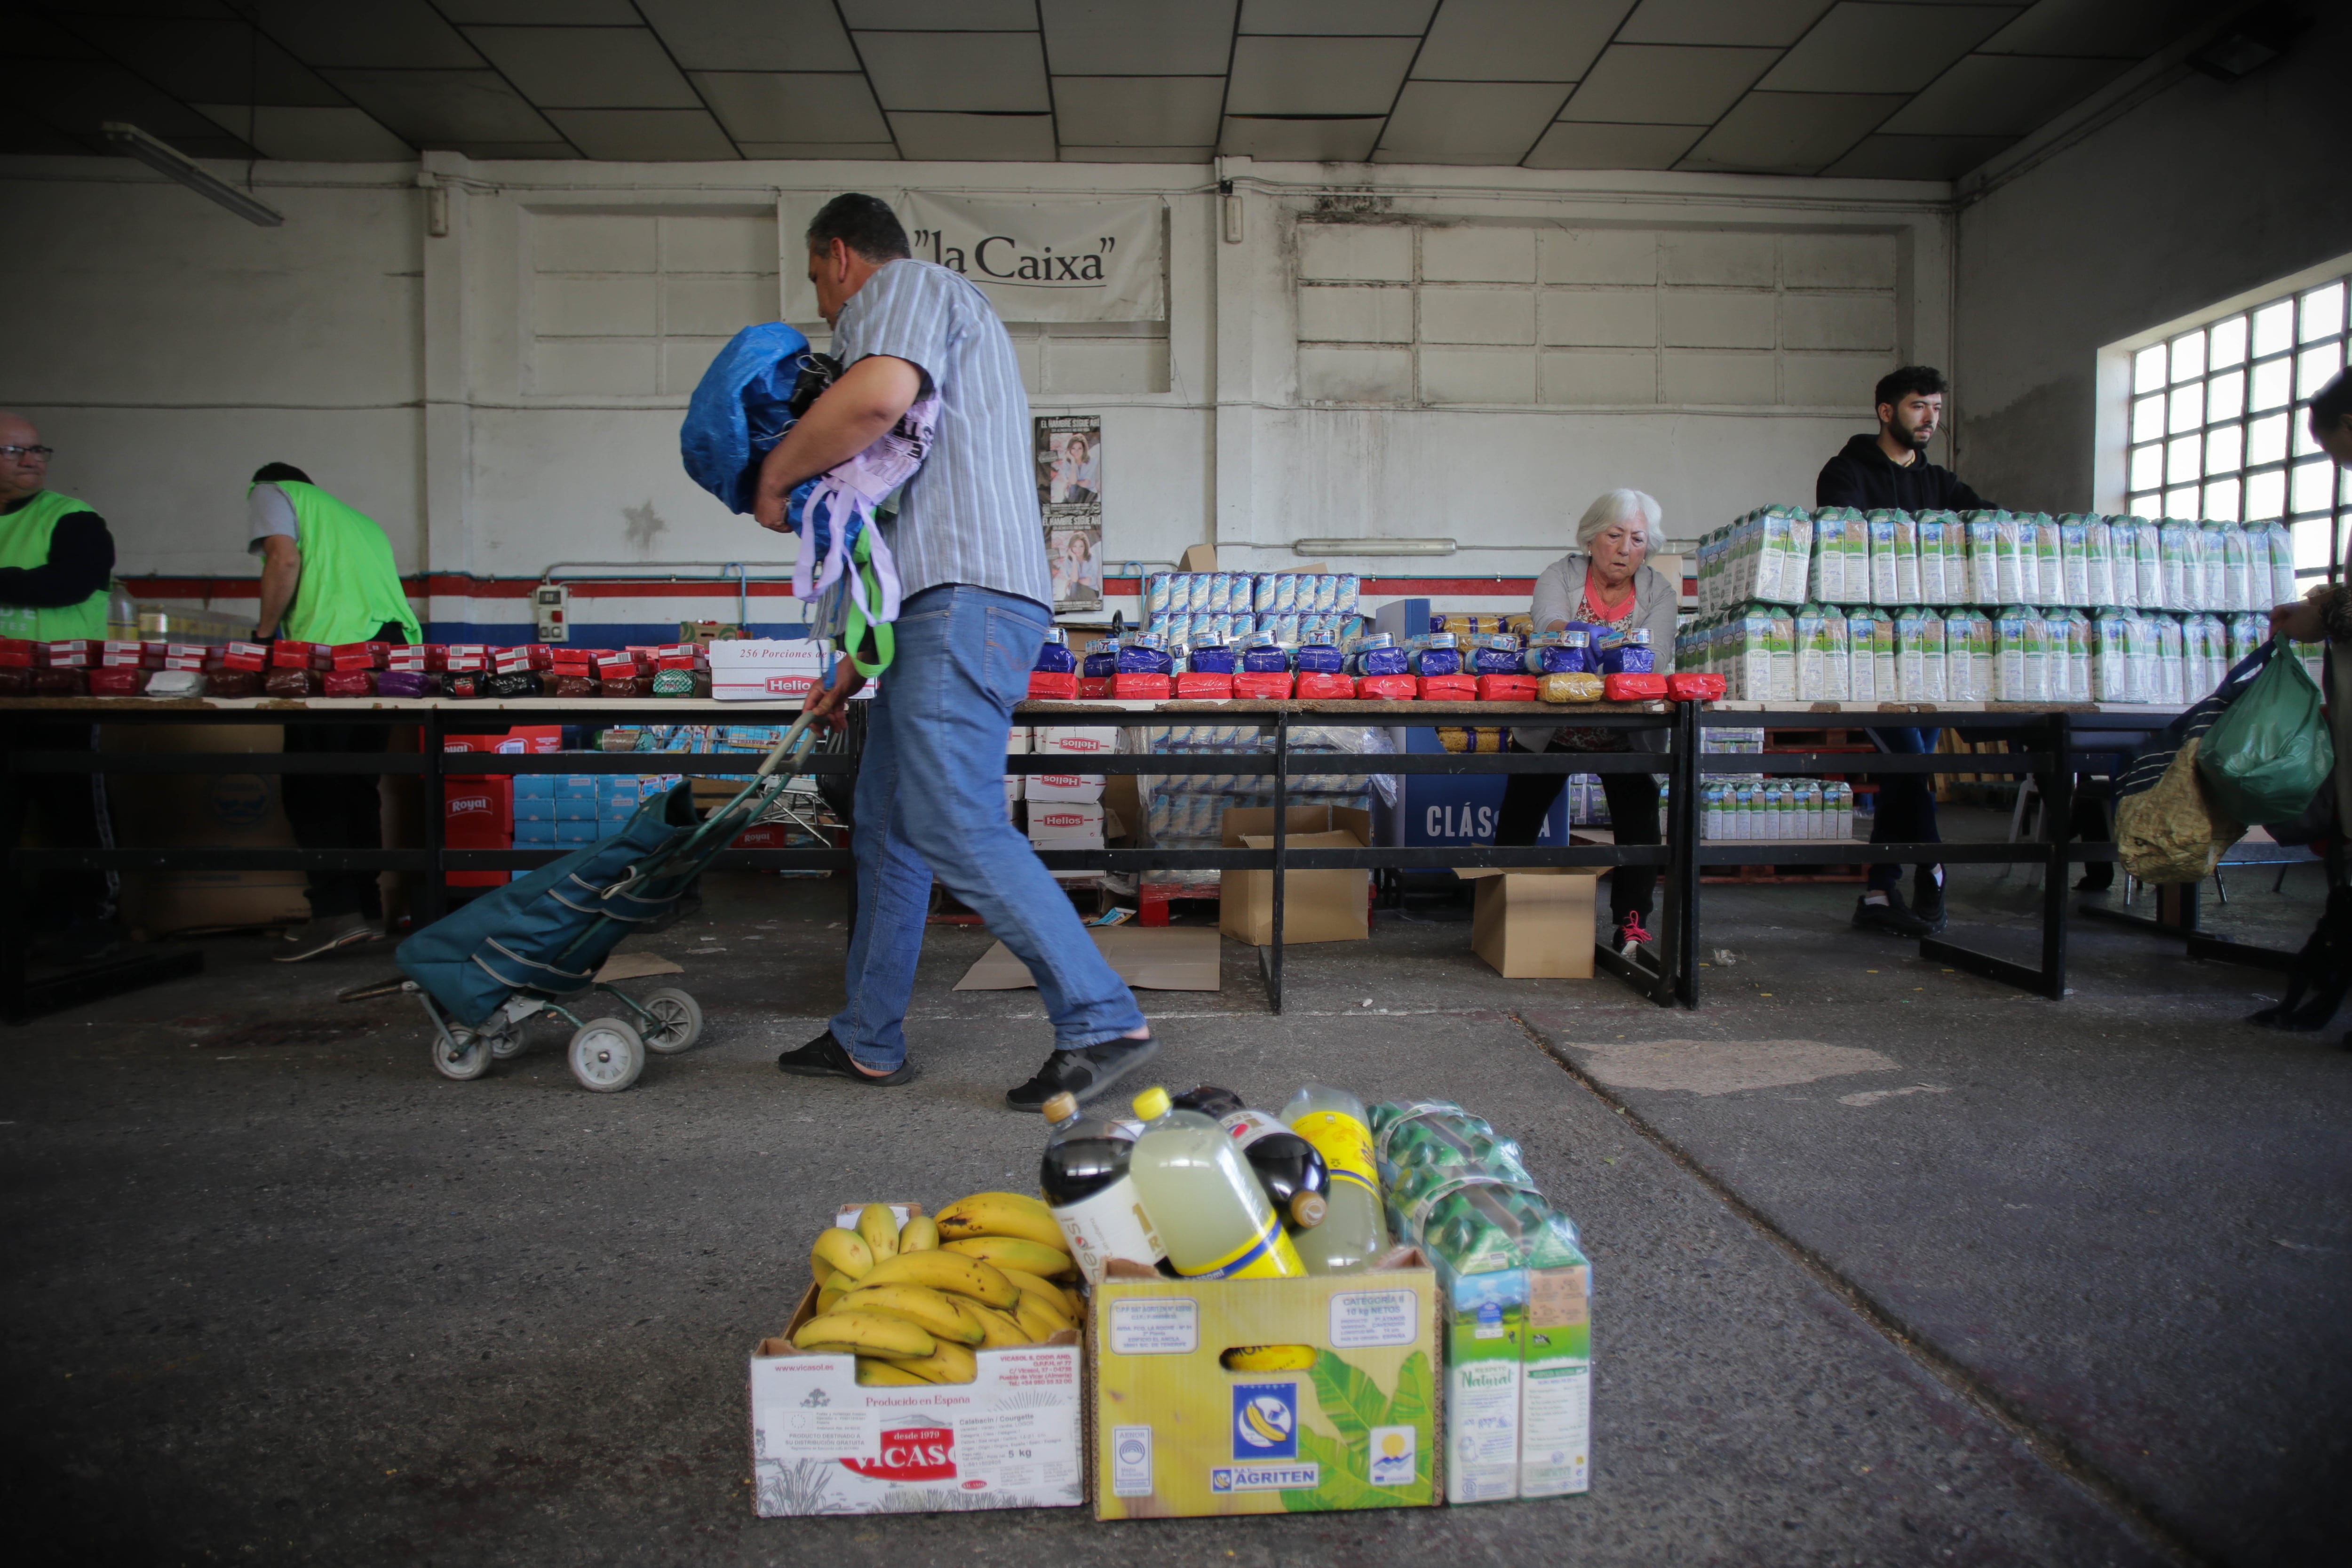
(1941, 1273)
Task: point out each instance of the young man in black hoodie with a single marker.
(1890, 471)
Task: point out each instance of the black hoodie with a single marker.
(1861, 476)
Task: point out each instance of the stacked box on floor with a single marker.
(1187, 811)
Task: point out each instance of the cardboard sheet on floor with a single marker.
(1150, 958)
(637, 966)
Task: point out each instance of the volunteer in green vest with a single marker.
(56, 560)
(328, 576)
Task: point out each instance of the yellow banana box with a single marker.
(1227, 1396)
(822, 1443)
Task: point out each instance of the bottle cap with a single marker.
(1061, 1108)
(1306, 1210)
(1151, 1104)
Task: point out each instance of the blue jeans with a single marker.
(930, 802)
(1906, 802)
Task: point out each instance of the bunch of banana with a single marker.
(912, 1308)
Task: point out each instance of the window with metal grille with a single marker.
(2219, 424)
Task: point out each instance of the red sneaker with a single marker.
(1630, 931)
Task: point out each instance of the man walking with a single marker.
(1891, 471)
(328, 576)
(970, 555)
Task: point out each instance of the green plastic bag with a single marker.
(2269, 753)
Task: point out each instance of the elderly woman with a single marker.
(1603, 585)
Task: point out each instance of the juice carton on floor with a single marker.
(1178, 1434)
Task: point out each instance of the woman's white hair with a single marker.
(1616, 506)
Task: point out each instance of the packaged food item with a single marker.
(1082, 1176)
(1145, 655)
(176, 683)
(1289, 1168)
(1054, 656)
(1354, 1232)
(1632, 686)
(1567, 652)
(510, 683)
(1377, 655)
(1694, 686)
(347, 683)
(1627, 652)
(2179, 547)
(1261, 655)
(407, 683)
(284, 682)
(1434, 654)
(1318, 659)
(571, 685)
(1202, 1198)
(2098, 563)
(115, 681)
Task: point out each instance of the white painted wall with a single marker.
(2203, 191)
(506, 396)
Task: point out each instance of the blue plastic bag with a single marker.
(740, 409)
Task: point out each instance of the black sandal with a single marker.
(825, 1057)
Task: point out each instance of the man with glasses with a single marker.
(56, 560)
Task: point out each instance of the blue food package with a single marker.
(1145, 656)
(1320, 659)
(1212, 658)
(1102, 660)
(1262, 656)
(1377, 655)
(1628, 653)
(1559, 653)
(1436, 655)
(1056, 657)
(1495, 654)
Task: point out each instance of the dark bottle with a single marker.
(1287, 1166)
(1084, 1178)
(1211, 1101)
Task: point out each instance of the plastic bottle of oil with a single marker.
(1354, 1232)
(1084, 1176)
(1202, 1199)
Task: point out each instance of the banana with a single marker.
(921, 1233)
(920, 1304)
(873, 1374)
(1037, 1319)
(879, 1231)
(841, 1251)
(1013, 1252)
(1000, 1330)
(1029, 1284)
(868, 1333)
(951, 1272)
(949, 1363)
(828, 1299)
(1001, 1214)
(1269, 1358)
(1076, 1303)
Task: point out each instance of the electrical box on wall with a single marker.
(550, 603)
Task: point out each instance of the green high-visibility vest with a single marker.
(350, 585)
(24, 541)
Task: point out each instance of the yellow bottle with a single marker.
(1210, 1212)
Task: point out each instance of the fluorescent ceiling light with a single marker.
(1367, 546)
(170, 162)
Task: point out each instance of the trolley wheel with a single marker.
(606, 1055)
(464, 1056)
(507, 1046)
(676, 1020)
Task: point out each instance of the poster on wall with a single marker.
(1048, 260)
(1069, 494)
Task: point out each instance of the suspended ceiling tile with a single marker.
(752, 35)
(586, 68)
(1916, 157)
(541, 12)
(1012, 138)
(21, 133)
(968, 71)
(1468, 122)
(1103, 38)
(380, 35)
(1138, 112)
(1651, 84)
(218, 61)
(942, 16)
(2124, 29)
(1338, 18)
(1316, 76)
(1331, 140)
(806, 151)
(1790, 133)
(794, 106)
(1518, 40)
(1592, 146)
(307, 135)
(1776, 23)
(77, 96)
(644, 135)
(1139, 154)
(1863, 47)
(445, 109)
(2000, 95)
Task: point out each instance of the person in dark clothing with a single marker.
(1890, 471)
(60, 564)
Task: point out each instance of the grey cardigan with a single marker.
(1656, 603)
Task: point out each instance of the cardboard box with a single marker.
(1076, 740)
(1066, 825)
(766, 669)
(213, 811)
(1177, 1435)
(1071, 787)
(1318, 906)
(821, 1443)
(1533, 923)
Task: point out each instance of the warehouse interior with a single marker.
(2060, 1282)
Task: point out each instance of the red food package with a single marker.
(564, 683)
(1048, 685)
(466, 683)
(674, 661)
(70, 659)
(16, 679)
(114, 661)
(627, 686)
(1388, 688)
(1324, 684)
(231, 680)
(70, 647)
(348, 683)
(284, 682)
(134, 648)
(117, 680)
(1262, 683)
(18, 653)
(290, 655)
(1448, 687)
(1132, 686)
(1092, 686)
(540, 654)
(69, 681)
(1633, 687)
(467, 664)
(1509, 688)
(1192, 683)
(1694, 688)
(253, 663)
